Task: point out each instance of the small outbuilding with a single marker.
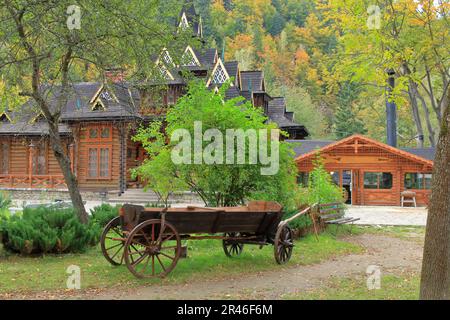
(371, 172)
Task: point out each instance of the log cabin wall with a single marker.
(98, 156)
(371, 161)
(29, 163)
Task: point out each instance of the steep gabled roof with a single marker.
(219, 74)
(252, 81)
(277, 113)
(361, 141)
(188, 18)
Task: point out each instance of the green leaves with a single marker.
(221, 183)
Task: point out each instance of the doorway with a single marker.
(347, 185)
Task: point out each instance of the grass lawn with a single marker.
(206, 259)
(404, 286)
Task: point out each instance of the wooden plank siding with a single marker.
(370, 158)
(84, 143)
(20, 171)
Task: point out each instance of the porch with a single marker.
(32, 181)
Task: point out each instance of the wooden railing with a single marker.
(32, 181)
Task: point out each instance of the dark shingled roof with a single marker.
(78, 107)
(302, 147)
(206, 57)
(426, 153)
(232, 69)
(191, 15)
(255, 79)
(277, 113)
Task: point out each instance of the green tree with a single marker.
(44, 41)
(219, 183)
(346, 120)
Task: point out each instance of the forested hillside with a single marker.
(329, 59)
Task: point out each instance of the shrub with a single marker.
(104, 213)
(321, 188)
(299, 223)
(47, 230)
(5, 201)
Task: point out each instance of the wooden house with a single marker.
(371, 172)
(100, 118)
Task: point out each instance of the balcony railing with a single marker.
(32, 181)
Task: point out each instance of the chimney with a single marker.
(115, 75)
(391, 111)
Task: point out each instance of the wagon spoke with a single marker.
(115, 254)
(140, 259)
(145, 265)
(115, 246)
(160, 262)
(138, 252)
(166, 255)
(153, 264)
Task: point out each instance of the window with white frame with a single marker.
(219, 76)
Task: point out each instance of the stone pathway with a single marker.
(392, 216)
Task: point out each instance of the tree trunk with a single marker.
(69, 177)
(430, 128)
(435, 279)
(412, 92)
(416, 116)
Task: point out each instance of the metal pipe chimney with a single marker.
(391, 111)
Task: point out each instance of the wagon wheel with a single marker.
(112, 242)
(283, 245)
(158, 252)
(232, 248)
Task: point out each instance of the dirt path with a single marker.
(390, 253)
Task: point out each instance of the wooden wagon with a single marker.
(148, 240)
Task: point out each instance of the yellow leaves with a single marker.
(301, 57)
(241, 41)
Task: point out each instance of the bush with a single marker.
(321, 188)
(5, 201)
(104, 213)
(47, 230)
(299, 223)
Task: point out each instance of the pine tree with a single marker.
(346, 122)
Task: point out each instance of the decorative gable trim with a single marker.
(4, 115)
(98, 105)
(184, 23)
(219, 74)
(366, 142)
(189, 58)
(102, 93)
(165, 73)
(37, 117)
(165, 57)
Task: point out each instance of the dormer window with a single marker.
(106, 96)
(166, 58)
(184, 24)
(39, 117)
(4, 117)
(189, 58)
(164, 72)
(98, 106)
(219, 74)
